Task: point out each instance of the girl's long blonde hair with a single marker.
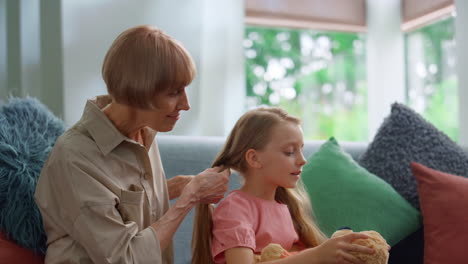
(253, 131)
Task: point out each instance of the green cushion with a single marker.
(345, 194)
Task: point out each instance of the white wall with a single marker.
(3, 49)
(209, 29)
(19, 47)
(74, 36)
(54, 50)
(52, 84)
(89, 28)
(461, 38)
(13, 52)
(385, 60)
(30, 61)
(222, 71)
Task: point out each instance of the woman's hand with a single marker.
(176, 184)
(209, 186)
(337, 250)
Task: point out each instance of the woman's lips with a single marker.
(175, 116)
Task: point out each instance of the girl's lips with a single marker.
(297, 173)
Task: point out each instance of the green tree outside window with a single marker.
(317, 76)
(432, 87)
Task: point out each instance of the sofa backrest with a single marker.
(189, 155)
(192, 154)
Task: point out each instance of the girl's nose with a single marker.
(302, 160)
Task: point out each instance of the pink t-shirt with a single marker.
(244, 220)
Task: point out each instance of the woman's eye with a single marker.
(289, 153)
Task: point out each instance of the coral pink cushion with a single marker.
(444, 203)
(10, 252)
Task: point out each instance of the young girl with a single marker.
(265, 147)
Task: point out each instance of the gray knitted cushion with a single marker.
(403, 137)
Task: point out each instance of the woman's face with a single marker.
(168, 106)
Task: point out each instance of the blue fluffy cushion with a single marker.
(28, 131)
(404, 137)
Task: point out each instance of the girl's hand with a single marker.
(337, 250)
(209, 186)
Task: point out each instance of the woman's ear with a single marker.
(251, 156)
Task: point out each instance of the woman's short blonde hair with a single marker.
(142, 62)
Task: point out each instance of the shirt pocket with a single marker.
(131, 205)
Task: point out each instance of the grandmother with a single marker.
(102, 193)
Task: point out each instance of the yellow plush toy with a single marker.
(271, 252)
(375, 241)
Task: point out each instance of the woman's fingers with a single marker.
(212, 184)
(214, 169)
(225, 171)
(219, 171)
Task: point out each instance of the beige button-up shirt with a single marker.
(100, 191)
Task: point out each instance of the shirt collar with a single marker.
(101, 129)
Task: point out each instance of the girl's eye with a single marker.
(289, 153)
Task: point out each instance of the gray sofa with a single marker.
(190, 155)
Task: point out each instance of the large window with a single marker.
(317, 76)
(431, 75)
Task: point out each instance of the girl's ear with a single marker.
(251, 156)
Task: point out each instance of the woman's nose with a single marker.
(184, 102)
